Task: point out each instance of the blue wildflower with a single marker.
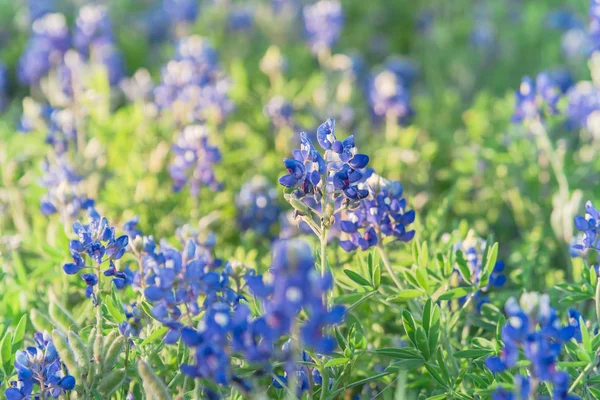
(193, 88)
(194, 160)
(257, 206)
(65, 194)
(337, 173)
(296, 286)
(381, 213)
(280, 112)
(41, 366)
(590, 226)
(47, 45)
(537, 331)
(323, 22)
(389, 90)
(98, 241)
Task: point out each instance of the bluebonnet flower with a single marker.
(241, 19)
(4, 100)
(483, 34)
(174, 280)
(194, 160)
(181, 11)
(130, 228)
(583, 106)
(193, 88)
(537, 330)
(594, 27)
(39, 8)
(563, 19)
(133, 325)
(257, 206)
(65, 194)
(535, 100)
(47, 45)
(323, 23)
(338, 172)
(590, 226)
(473, 248)
(522, 390)
(92, 25)
(389, 90)
(39, 365)
(280, 112)
(98, 241)
(382, 213)
(297, 285)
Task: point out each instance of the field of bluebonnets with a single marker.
(288, 199)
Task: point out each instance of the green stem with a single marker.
(324, 383)
(388, 266)
(362, 299)
(598, 300)
(580, 377)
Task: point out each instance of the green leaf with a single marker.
(401, 354)
(473, 353)
(427, 315)
(406, 294)
(437, 397)
(356, 278)
(421, 275)
(492, 257)
(158, 333)
(406, 365)
(442, 364)
(423, 343)
(6, 350)
(463, 266)
(455, 293)
(19, 332)
(435, 375)
(376, 277)
(585, 336)
(424, 256)
(415, 251)
(409, 326)
(336, 361)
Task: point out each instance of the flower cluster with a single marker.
(39, 365)
(297, 285)
(193, 87)
(382, 213)
(389, 90)
(47, 49)
(583, 106)
(194, 160)
(65, 195)
(590, 226)
(534, 326)
(47, 45)
(323, 23)
(97, 240)
(535, 100)
(174, 280)
(338, 172)
(257, 206)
